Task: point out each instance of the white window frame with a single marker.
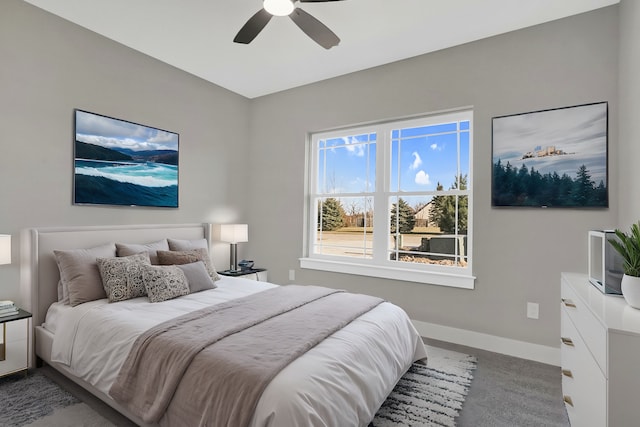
(380, 265)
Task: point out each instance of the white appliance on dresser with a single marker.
(600, 356)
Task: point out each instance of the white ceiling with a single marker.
(197, 35)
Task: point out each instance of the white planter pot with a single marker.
(631, 290)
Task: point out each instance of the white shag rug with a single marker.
(431, 394)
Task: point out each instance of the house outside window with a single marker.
(393, 200)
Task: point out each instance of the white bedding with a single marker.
(342, 381)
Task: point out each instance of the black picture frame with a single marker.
(118, 162)
(554, 158)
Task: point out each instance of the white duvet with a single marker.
(340, 382)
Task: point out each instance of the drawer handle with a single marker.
(568, 303)
(567, 400)
(567, 341)
(567, 373)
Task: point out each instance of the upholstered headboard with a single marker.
(43, 271)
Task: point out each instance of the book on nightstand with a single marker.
(8, 308)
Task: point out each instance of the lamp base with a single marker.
(233, 258)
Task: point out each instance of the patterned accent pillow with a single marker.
(122, 277)
(187, 257)
(164, 282)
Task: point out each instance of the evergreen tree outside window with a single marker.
(393, 200)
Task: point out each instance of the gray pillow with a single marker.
(185, 245)
(197, 276)
(122, 277)
(164, 282)
(79, 272)
(126, 249)
(187, 257)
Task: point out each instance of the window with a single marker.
(393, 200)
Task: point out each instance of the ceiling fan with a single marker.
(315, 29)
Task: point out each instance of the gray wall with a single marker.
(629, 173)
(518, 253)
(233, 172)
(49, 67)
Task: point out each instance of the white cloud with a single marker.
(357, 149)
(435, 147)
(422, 178)
(417, 161)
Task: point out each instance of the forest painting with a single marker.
(551, 158)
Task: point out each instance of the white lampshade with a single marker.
(5, 249)
(231, 233)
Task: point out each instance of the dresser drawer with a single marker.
(584, 385)
(593, 333)
(16, 330)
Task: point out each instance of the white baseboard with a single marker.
(515, 348)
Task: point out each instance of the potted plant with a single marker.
(628, 246)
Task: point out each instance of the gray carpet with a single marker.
(511, 392)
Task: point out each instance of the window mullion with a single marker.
(312, 193)
(380, 201)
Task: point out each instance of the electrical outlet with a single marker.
(292, 275)
(533, 310)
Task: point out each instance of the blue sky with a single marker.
(426, 155)
(110, 133)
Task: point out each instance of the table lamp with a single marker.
(5, 249)
(233, 234)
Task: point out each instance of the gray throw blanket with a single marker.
(210, 367)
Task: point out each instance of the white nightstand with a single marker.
(259, 274)
(14, 343)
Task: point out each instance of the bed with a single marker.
(342, 380)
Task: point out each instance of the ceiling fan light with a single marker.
(278, 7)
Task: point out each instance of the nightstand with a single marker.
(259, 274)
(14, 345)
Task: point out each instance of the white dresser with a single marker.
(600, 353)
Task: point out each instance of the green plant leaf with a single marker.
(628, 246)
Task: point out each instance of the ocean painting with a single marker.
(123, 163)
(551, 158)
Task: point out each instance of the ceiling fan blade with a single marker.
(252, 28)
(315, 29)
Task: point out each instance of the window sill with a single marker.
(403, 274)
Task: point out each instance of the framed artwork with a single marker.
(553, 158)
(117, 162)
